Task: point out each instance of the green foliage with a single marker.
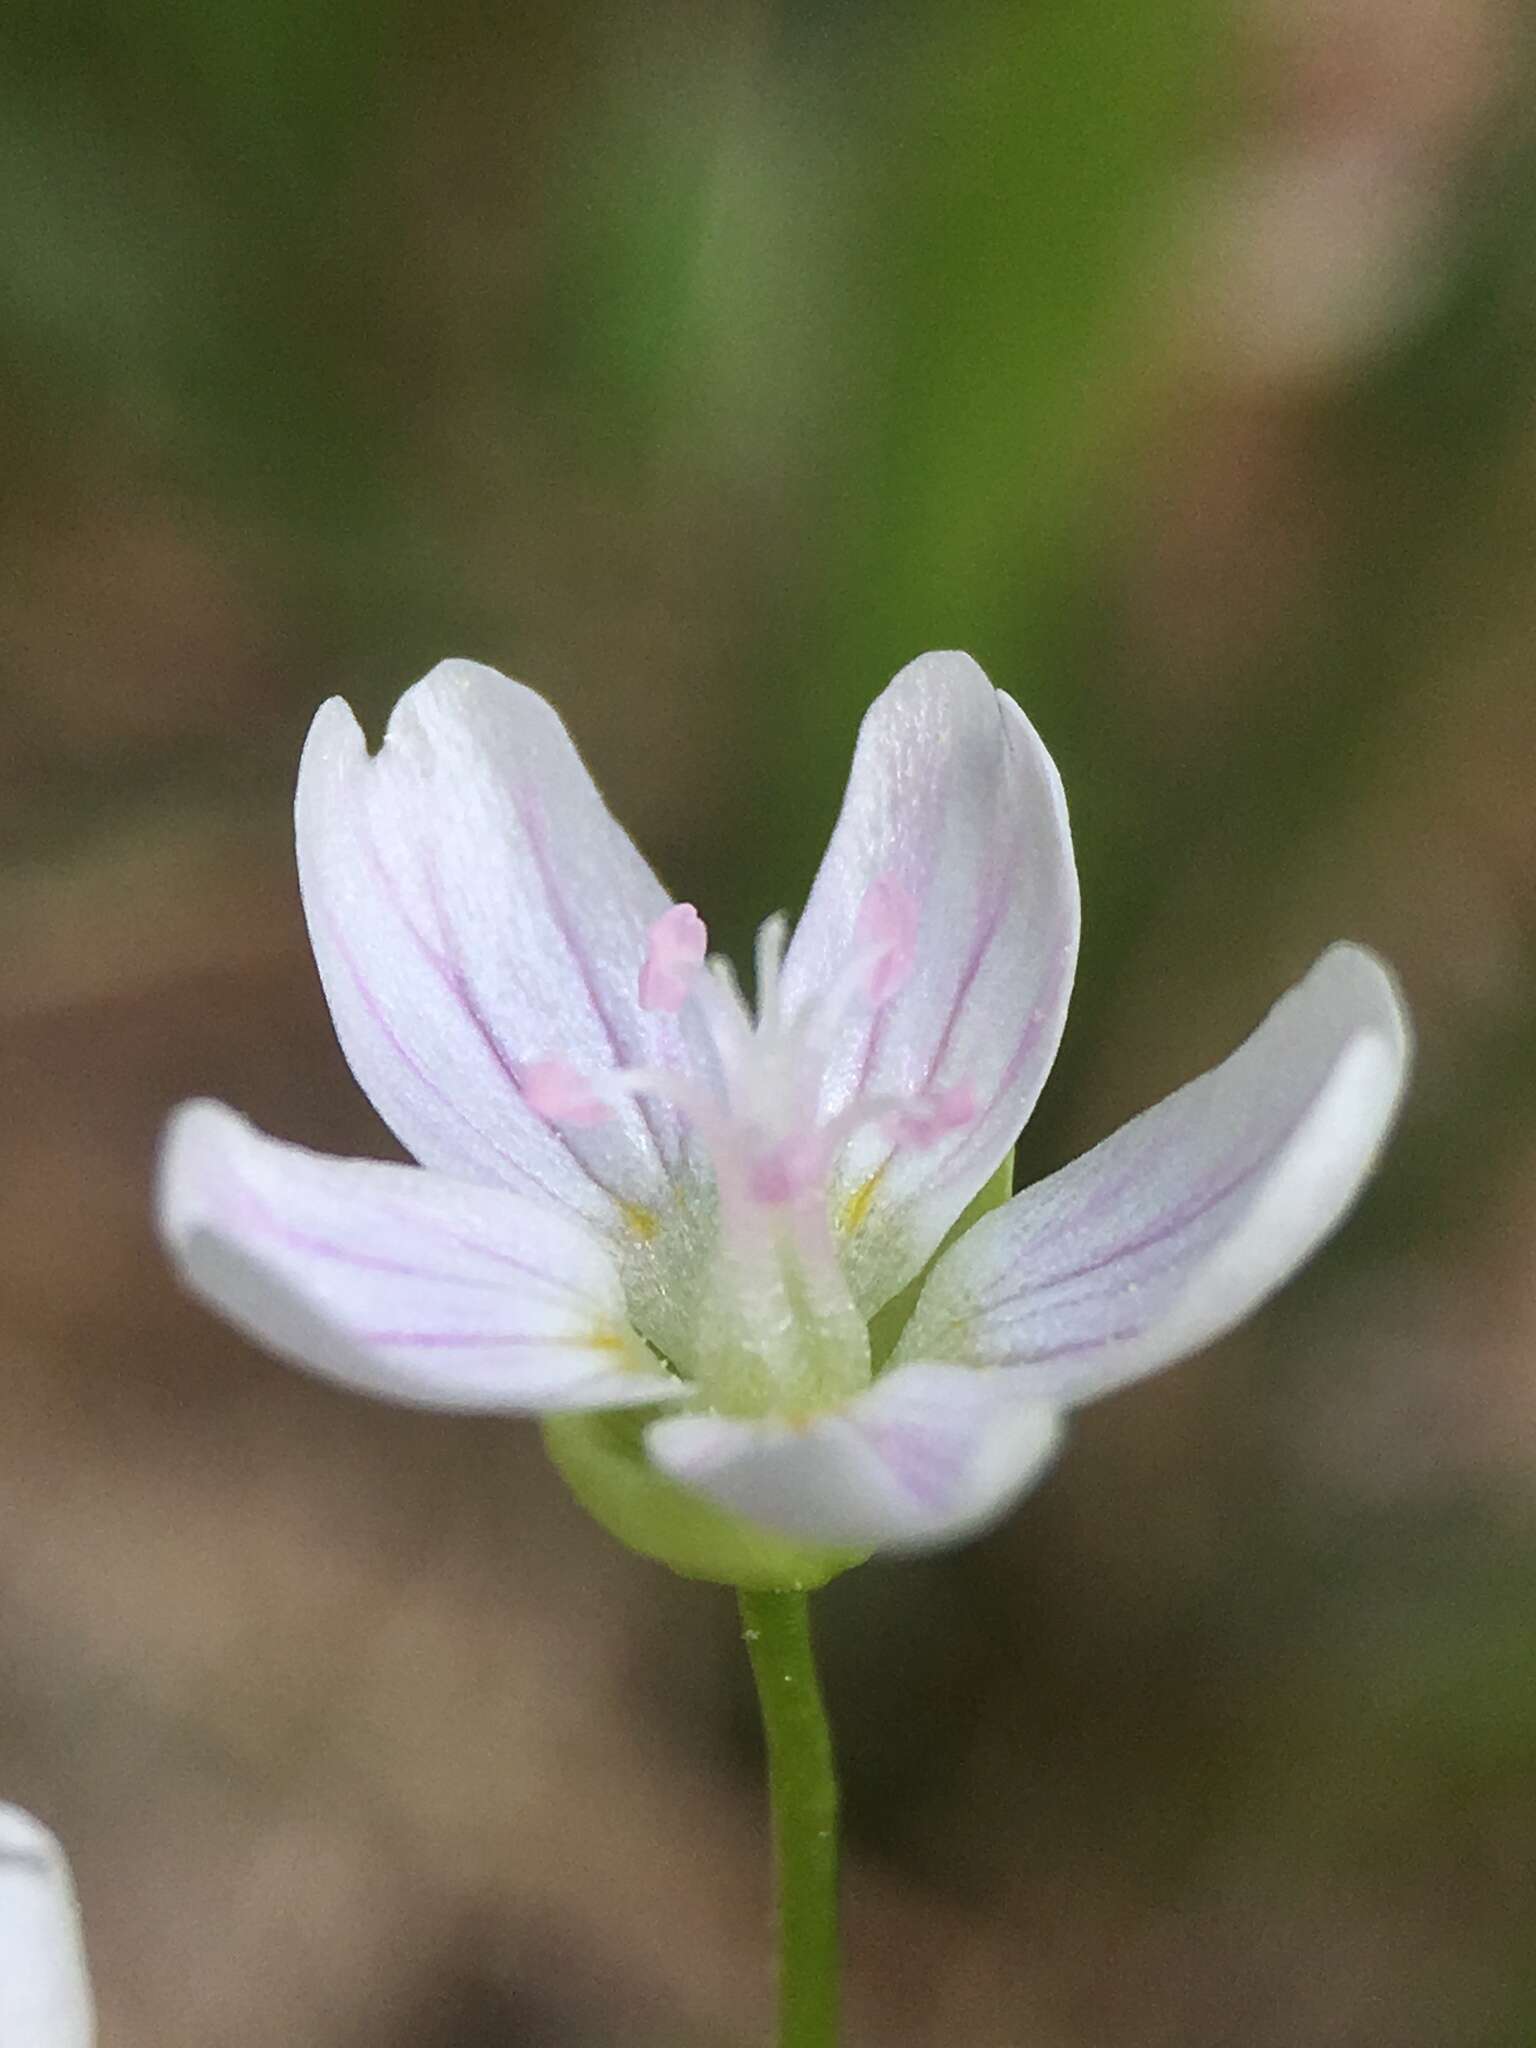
(1004, 242)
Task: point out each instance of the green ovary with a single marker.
(776, 1331)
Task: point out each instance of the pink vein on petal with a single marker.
(924, 1466)
(260, 1214)
(1167, 1225)
(453, 980)
(413, 1065)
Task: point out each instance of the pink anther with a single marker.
(675, 949)
(928, 1118)
(886, 928)
(560, 1095)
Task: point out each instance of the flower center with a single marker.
(774, 1323)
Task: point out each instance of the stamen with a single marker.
(726, 1016)
(886, 931)
(675, 949)
(772, 934)
(915, 1120)
(560, 1095)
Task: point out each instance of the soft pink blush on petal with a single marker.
(887, 926)
(926, 1455)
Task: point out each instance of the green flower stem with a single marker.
(802, 1790)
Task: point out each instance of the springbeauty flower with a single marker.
(646, 1206)
(45, 1999)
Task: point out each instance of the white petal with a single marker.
(953, 798)
(474, 908)
(397, 1281)
(45, 1998)
(927, 1455)
(1172, 1230)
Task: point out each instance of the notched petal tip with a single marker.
(472, 903)
(336, 735)
(451, 684)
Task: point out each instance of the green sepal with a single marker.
(888, 1323)
(603, 1462)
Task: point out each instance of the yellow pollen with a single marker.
(858, 1204)
(641, 1222)
(604, 1337)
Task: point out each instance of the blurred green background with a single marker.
(700, 365)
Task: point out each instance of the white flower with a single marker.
(634, 1193)
(45, 1999)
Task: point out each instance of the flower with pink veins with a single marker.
(666, 1219)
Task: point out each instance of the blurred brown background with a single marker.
(700, 365)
